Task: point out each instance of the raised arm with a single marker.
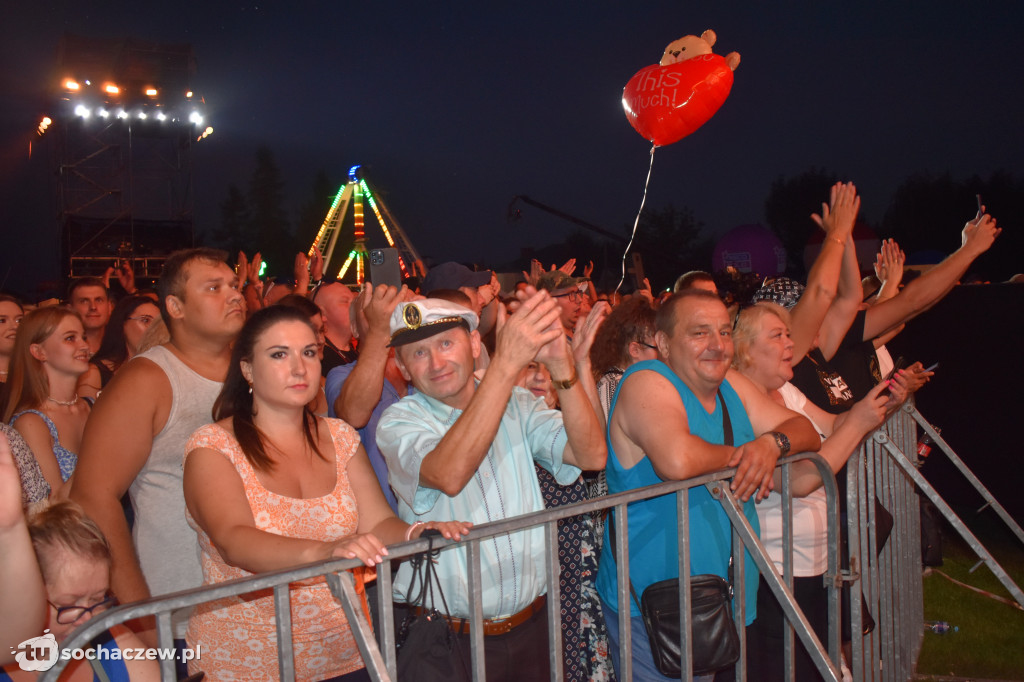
(585, 446)
(977, 237)
(456, 457)
(889, 270)
(837, 219)
(116, 444)
(23, 598)
(361, 391)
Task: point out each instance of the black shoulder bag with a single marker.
(715, 643)
(428, 650)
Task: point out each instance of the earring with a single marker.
(250, 389)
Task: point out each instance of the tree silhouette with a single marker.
(788, 209)
(268, 219)
(234, 223)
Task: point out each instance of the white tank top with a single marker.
(168, 549)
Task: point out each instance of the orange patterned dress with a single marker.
(237, 634)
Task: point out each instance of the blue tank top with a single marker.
(653, 538)
(66, 459)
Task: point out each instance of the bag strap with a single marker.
(728, 438)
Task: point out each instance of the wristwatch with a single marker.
(782, 440)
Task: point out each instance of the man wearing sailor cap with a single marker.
(458, 448)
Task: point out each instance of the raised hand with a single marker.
(838, 216)
(126, 276)
(534, 324)
(377, 303)
(586, 330)
(978, 234)
(316, 268)
(889, 263)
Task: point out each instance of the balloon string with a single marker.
(637, 221)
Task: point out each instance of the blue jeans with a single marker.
(643, 662)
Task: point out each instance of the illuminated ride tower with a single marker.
(124, 122)
(354, 193)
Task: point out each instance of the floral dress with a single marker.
(584, 636)
(237, 634)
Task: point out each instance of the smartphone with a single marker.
(980, 210)
(900, 363)
(932, 368)
(384, 268)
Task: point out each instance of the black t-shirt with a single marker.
(335, 357)
(835, 385)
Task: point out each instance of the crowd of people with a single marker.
(218, 427)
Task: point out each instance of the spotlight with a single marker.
(102, 113)
(47, 121)
(188, 95)
(151, 92)
(121, 113)
(161, 116)
(142, 115)
(70, 84)
(194, 117)
(112, 89)
(82, 110)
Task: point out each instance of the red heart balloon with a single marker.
(666, 103)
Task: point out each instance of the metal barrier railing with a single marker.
(890, 581)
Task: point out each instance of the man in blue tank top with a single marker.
(666, 423)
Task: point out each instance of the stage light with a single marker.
(121, 113)
(142, 115)
(151, 92)
(161, 116)
(188, 95)
(194, 117)
(47, 121)
(88, 82)
(82, 110)
(102, 113)
(208, 131)
(72, 85)
(111, 89)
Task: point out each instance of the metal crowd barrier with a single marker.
(890, 581)
(380, 659)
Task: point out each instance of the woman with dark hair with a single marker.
(50, 354)
(11, 313)
(270, 486)
(626, 337)
(128, 323)
(316, 318)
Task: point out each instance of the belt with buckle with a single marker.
(496, 626)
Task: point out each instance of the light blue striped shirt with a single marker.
(505, 485)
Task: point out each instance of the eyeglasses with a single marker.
(66, 615)
(647, 345)
(146, 320)
(575, 295)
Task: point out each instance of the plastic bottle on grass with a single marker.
(940, 627)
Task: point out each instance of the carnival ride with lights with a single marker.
(354, 193)
(123, 123)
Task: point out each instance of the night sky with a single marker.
(454, 108)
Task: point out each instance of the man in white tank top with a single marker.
(135, 437)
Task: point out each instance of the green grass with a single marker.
(990, 642)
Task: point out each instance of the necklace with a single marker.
(64, 403)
